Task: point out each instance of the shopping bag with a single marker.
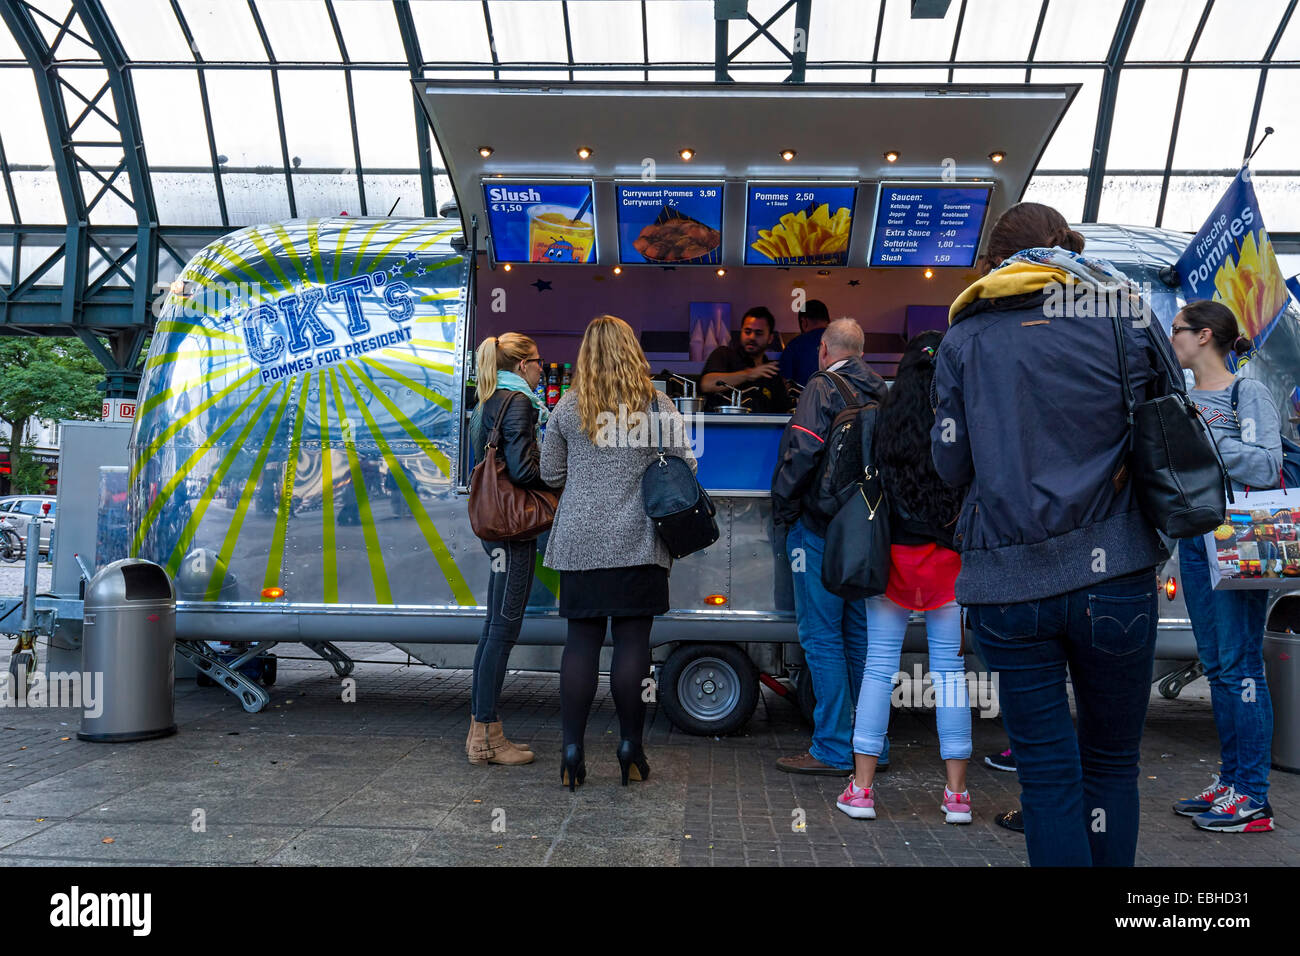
(1258, 545)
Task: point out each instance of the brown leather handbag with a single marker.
(500, 510)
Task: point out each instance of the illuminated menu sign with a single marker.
(798, 224)
(540, 222)
(669, 223)
(928, 225)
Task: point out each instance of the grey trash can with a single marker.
(1282, 669)
(128, 647)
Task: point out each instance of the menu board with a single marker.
(669, 223)
(540, 222)
(928, 225)
(798, 224)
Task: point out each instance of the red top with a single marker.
(922, 576)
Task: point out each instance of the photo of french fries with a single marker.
(819, 238)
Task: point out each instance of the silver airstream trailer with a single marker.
(299, 461)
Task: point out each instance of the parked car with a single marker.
(15, 510)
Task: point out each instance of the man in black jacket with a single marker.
(832, 631)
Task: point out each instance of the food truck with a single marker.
(299, 459)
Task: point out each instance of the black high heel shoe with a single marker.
(573, 770)
(631, 761)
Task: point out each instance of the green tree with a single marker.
(45, 378)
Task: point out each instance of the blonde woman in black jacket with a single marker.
(509, 368)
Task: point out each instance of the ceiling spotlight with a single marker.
(618, 270)
(891, 156)
(584, 152)
(722, 272)
(507, 266)
(929, 273)
(788, 154)
(997, 156)
(485, 151)
(686, 153)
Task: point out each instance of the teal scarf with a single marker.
(515, 383)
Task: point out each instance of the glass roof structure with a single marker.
(132, 131)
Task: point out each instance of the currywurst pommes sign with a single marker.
(1231, 261)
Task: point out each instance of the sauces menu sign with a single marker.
(928, 225)
(798, 224)
(540, 222)
(670, 223)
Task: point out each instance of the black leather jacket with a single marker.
(518, 436)
(794, 494)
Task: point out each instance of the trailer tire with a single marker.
(268, 670)
(709, 690)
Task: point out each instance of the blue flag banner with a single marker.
(1231, 261)
(1293, 284)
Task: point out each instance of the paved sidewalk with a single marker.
(384, 780)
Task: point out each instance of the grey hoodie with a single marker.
(1254, 462)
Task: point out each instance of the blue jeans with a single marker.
(886, 626)
(509, 583)
(1229, 629)
(833, 633)
(1079, 789)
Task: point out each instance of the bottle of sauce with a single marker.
(553, 385)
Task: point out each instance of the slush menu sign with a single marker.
(670, 223)
(798, 224)
(928, 225)
(540, 222)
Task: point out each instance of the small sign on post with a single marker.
(119, 410)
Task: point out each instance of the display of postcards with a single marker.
(1242, 525)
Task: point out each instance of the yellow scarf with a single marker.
(1016, 278)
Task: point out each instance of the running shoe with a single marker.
(1237, 813)
(1003, 761)
(857, 802)
(1207, 799)
(956, 806)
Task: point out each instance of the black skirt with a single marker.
(638, 591)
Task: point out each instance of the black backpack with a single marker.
(841, 467)
(1290, 473)
(680, 508)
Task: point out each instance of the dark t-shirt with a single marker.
(770, 396)
(799, 360)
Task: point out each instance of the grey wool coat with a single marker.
(601, 522)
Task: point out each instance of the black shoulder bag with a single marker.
(682, 511)
(855, 563)
(1178, 475)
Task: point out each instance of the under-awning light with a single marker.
(716, 599)
(997, 155)
(891, 156)
(929, 273)
(485, 151)
(507, 266)
(788, 154)
(584, 152)
(686, 153)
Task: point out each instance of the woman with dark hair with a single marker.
(1057, 559)
(1229, 625)
(922, 575)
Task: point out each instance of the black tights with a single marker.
(630, 666)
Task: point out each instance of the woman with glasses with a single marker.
(1229, 625)
(509, 368)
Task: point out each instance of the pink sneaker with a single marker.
(857, 802)
(956, 806)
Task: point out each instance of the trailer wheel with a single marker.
(709, 689)
(268, 670)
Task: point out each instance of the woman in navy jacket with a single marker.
(1058, 563)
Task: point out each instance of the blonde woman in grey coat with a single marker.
(613, 568)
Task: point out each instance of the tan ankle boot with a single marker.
(488, 744)
(469, 736)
